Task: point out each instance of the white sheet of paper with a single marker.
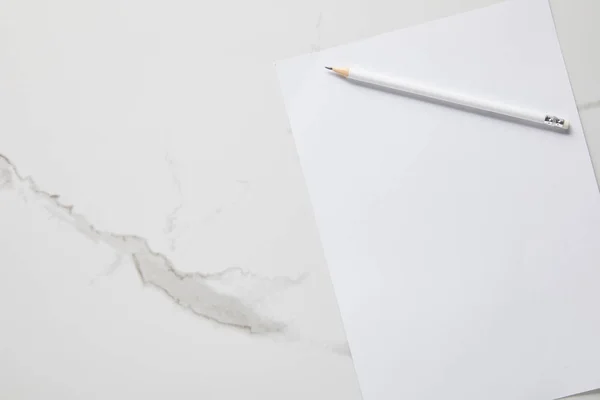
(464, 250)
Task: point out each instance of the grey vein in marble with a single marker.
(232, 297)
(236, 200)
(317, 45)
(176, 226)
(589, 105)
(172, 222)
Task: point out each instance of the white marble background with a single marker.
(156, 239)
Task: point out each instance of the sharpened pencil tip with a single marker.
(329, 68)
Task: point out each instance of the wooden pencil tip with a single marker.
(340, 71)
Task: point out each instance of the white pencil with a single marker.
(420, 90)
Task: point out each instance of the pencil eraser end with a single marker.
(566, 125)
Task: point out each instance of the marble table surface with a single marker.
(156, 238)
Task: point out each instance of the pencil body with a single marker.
(423, 91)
